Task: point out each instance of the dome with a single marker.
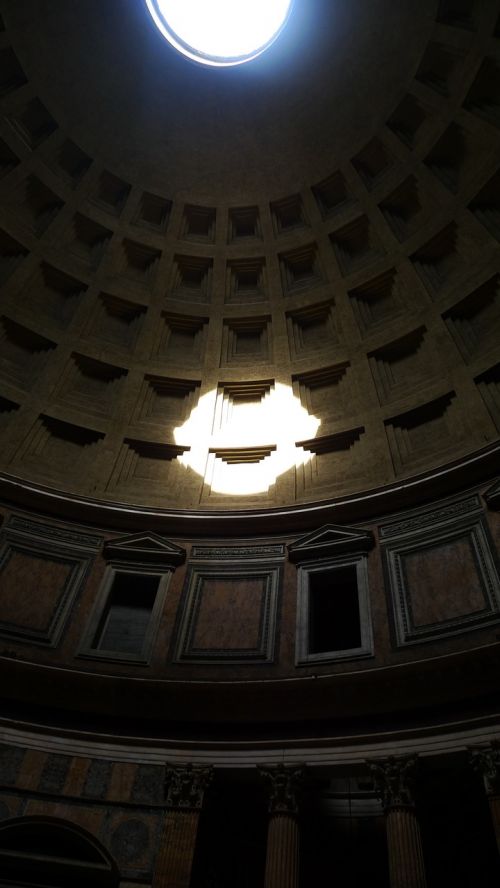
(274, 239)
(250, 419)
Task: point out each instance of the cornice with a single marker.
(477, 467)
(445, 738)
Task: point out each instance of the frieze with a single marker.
(424, 518)
(33, 529)
(234, 553)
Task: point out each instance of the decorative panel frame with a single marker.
(52, 544)
(264, 650)
(139, 554)
(426, 531)
(330, 548)
(87, 649)
(492, 496)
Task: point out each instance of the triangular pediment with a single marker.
(330, 539)
(146, 548)
(492, 496)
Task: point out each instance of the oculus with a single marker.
(220, 33)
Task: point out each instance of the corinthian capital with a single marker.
(185, 785)
(283, 782)
(394, 779)
(486, 761)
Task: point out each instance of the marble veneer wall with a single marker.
(228, 609)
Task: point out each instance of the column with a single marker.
(184, 787)
(282, 856)
(394, 778)
(486, 761)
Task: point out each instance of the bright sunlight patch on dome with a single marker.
(222, 450)
(220, 32)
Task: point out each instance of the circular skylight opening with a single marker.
(220, 32)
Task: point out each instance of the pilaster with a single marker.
(184, 792)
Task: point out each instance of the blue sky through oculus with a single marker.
(220, 32)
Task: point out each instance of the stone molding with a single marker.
(330, 540)
(144, 548)
(305, 577)
(329, 752)
(492, 496)
(48, 543)
(482, 464)
(46, 532)
(198, 578)
(447, 512)
(425, 531)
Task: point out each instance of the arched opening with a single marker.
(45, 851)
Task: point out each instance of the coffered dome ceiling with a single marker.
(164, 123)
(315, 235)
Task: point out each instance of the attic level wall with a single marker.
(220, 609)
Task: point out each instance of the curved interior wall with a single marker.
(175, 636)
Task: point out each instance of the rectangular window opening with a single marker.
(125, 620)
(334, 617)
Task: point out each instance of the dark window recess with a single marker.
(334, 622)
(125, 620)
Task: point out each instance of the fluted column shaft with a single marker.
(282, 859)
(394, 781)
(486, 761)
(185, 789)
(494, 802)
(406, 861)
(282, 856)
